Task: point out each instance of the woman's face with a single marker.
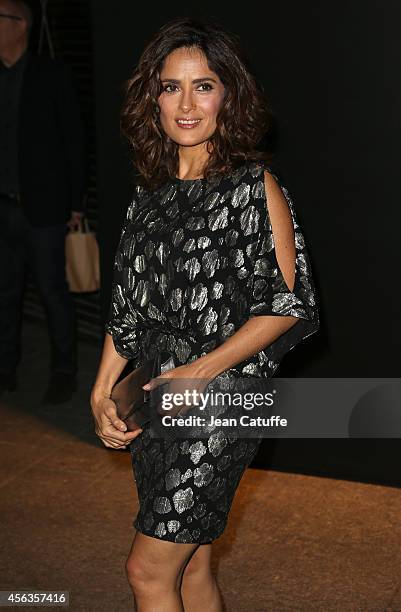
(191, 98)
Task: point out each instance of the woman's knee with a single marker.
(146, 576)
(139, 573)
(198, 567)
(156, 566)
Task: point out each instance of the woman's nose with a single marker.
(187, 102)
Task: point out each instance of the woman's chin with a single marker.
(189, 140)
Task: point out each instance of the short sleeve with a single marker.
(269, 293)
(121, 322)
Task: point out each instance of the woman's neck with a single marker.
(192, 160)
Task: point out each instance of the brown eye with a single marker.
(209, 87)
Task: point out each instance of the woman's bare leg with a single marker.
(199, 589)
(154, 571)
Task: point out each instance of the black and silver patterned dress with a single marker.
(195, 260)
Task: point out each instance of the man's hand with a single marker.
(75, 220)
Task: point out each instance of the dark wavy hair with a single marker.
(243, 120)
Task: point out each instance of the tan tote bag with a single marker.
(82, 259)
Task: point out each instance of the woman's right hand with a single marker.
(110, 429)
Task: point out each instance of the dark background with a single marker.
(331, 72)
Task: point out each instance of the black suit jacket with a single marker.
(51, 143)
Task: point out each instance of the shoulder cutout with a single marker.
(282, 228)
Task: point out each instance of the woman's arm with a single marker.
(253, 336)
(108, 426)
(113, 360)
(110, 367)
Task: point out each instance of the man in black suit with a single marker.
(42, 181)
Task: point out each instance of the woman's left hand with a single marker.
(184, 388)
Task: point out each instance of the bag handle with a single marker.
(83, 227)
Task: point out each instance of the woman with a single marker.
(212, 267)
